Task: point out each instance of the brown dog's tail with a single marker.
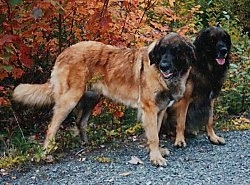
(34, 94)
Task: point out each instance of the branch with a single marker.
(9, 15)
(18, 124)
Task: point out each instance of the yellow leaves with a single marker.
(236, 123)
(134, 129)
(241, 121)
(196, 9)
(102, 159)
(8, 162)
(171, 2)
(95, 78)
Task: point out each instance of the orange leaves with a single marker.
(3, 73)
(98, 109)
(110, 107)
(17, 73)
(3, 101)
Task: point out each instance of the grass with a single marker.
(20, 145)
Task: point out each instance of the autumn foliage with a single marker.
(33, 33)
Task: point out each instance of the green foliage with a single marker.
(15, 2)
(108, 128)
(17, 149)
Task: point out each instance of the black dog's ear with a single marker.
(153, 53)
(198, 40)
(192, 52)
(201, 37)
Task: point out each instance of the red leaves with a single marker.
(24, 52)
(41, 29)
(8, 39)
(98, 109)
(110, 107)
(17, 73)
(13, 52)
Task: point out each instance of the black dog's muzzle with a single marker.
(221, 55)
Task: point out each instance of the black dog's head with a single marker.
(213, 43)
(172, 55)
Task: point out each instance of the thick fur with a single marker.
(154, 76)
(203, 86)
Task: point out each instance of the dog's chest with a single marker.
(164, 99)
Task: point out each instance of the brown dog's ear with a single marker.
(153, 52)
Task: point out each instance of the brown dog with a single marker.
(203, 86)
(149, 78)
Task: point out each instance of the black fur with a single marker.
(163, 99)
(83, 110)
(207, 77)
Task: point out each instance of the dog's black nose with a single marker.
(223, 51)
(165, 65)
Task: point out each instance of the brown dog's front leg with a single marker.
(149, 123)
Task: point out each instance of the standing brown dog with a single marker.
(149, 78)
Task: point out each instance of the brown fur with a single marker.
(112, 72)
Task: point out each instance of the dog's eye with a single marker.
(224, 39)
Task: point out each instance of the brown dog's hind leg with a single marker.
(63, 106)
(210, 129)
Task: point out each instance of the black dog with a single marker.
(203, 86)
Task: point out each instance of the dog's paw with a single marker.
(180, 142)
(157, 159)
(217, 140)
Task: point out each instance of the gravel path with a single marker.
(199, 163)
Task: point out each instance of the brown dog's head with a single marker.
(172, 55)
